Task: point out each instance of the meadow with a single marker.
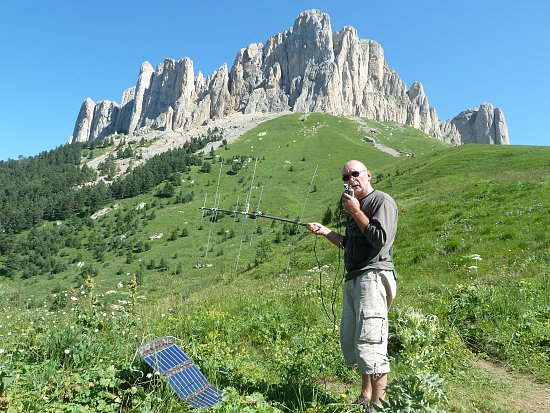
(256, 302)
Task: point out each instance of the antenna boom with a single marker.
(254, 215)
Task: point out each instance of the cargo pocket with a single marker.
(373, 328)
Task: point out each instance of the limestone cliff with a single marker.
(305, 69)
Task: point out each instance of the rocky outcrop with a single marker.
(483, 125)
(142, 89)
(305, 69)
(83, 122)
(125, 113)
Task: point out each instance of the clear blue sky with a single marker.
(54, 54)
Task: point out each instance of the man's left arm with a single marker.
(378, 228)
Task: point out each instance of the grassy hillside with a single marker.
(254, 299)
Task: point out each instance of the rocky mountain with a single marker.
(307, 68)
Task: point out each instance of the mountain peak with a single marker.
(307, 68)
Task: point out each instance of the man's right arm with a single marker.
(334, 237)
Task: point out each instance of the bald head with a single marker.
(356, 175)
(353, 166)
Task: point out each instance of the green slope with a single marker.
(254, 308)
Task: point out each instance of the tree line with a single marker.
(55, 186)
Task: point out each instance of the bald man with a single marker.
(370, 283)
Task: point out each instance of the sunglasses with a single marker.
(355, 174)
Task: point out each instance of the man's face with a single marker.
(356, 175)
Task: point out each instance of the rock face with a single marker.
(305, 69)
(483, 125)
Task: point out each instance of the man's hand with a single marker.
(317, 229)
(350, 204)
(353, 208)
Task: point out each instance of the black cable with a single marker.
(335, 282)
(338, 282)
(333, 320)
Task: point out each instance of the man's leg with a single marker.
(379, 383)
(372, 333)
(366, 387)
(373, 388)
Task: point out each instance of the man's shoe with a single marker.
(364, 403)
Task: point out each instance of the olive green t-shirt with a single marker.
(371, 249)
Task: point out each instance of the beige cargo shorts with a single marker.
(364, 323)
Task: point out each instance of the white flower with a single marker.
(74, 298)
(119, 285)
(2, 350)
(67, 351)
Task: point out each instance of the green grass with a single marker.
(263, 322)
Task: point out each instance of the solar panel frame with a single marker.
(179, 370)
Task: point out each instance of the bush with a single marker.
(420, 348)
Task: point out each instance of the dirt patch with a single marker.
(233, 126)
(366, 128)
(528, 396)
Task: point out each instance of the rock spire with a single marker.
(308, 68)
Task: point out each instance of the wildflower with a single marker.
(119, 285)
(2, 351)
(67, 351)
(472, 267)
(74, 298)
(474, 257)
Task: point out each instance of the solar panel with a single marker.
(165, 357)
